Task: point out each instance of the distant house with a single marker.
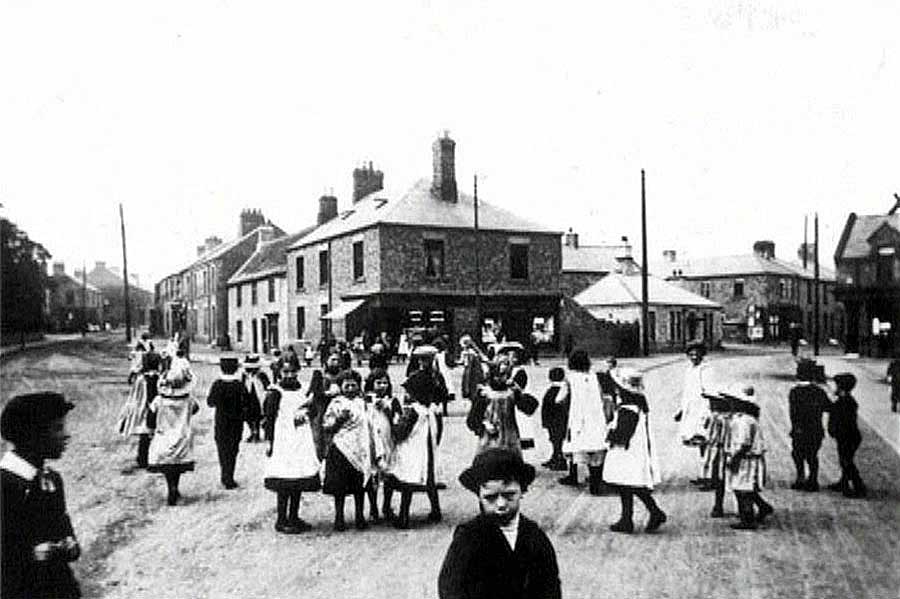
(111, 284)
(762, 295)
(675, 316)
(400, 260)
(584, 265)
(194, 299)
(868, 281)
(258, 298)
(74, 303)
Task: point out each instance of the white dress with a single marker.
(635, 465)
(293, 462)
(695, 412)
(411, 456)
(586, 436)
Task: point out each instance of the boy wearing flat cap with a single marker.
(500, 553)
(38, 540)
(843, 427)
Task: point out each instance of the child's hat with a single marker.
(25, 413)
(845, 381)
(497, 464)
(251, 361)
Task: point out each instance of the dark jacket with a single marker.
(228, 397)
(842, 421)
(807, 403)
(480, 564)
(34, 513)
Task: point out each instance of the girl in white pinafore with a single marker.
(292, 465)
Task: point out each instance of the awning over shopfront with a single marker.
(343, 309)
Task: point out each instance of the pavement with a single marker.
(47, 341)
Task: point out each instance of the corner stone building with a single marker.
(396, 261)
(868, 282)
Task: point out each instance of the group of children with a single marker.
(366, 436)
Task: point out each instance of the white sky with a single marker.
(745, 114)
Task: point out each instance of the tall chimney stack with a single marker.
(366, 181)
(59, 268)
(571, 239)
(764, 249)
(443, 186)
(328, 209)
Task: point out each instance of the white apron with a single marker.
(294, 450)
(636, 465)
(587, 423)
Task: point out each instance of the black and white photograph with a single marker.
(450, 300)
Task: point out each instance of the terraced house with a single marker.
(396, 260)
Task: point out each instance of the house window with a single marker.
(651, 325)
(739, 288)
(70, 298)
(672, 326)
(271, 290)
(323, 267)
(782, 289)
(239, 330)
(301, 321)
(825, 296)
(705, 289)
(518, 261)
(301, 274)
(357, 260)
(253, 297)
(434, 258)
(238, 292)
(323, 310)
(884, 267)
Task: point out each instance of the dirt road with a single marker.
(221, 543)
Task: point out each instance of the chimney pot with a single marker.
(99, 264)
(571, 239)
(764, 249)
(328, 209)
(366, 181)
(669, 255)
(59, 268)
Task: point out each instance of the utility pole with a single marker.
(83, 299)
(816, 287)
(477, 271)
(645, 310)
(125, 277)
(805, 243)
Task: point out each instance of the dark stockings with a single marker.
(358, 503)
(627, 495)
(172, 479)
(143, 450)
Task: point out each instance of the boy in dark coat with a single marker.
(227, 395)
(38, 540)
(843, 427)
(499, 554)
(555, 417)
(893, 375)
(807, 402)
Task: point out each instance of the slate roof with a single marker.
(625, 290)
(268, 259)
(737, 266)
(416, 206)
(593, 258)
(855, 242)
(76, 282)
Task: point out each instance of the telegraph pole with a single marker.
(645, 310)
(125, 276)
(805, 243)
(83, 299)
(816, 286)
(477, 271)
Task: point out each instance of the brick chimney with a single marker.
(443, 186)
(669, 255)
(250, 220)
(201, 249)
(212, 242)
(327, 209)
(764, 249)
(59, 269)
(266, 233)
(571, 239)
(98, 265)
(366, 180)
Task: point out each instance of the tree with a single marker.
(23, 280)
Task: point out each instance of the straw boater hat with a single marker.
(425, 350)
(496, 464)
(227, 360)
(251, 361)
(743, 398)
